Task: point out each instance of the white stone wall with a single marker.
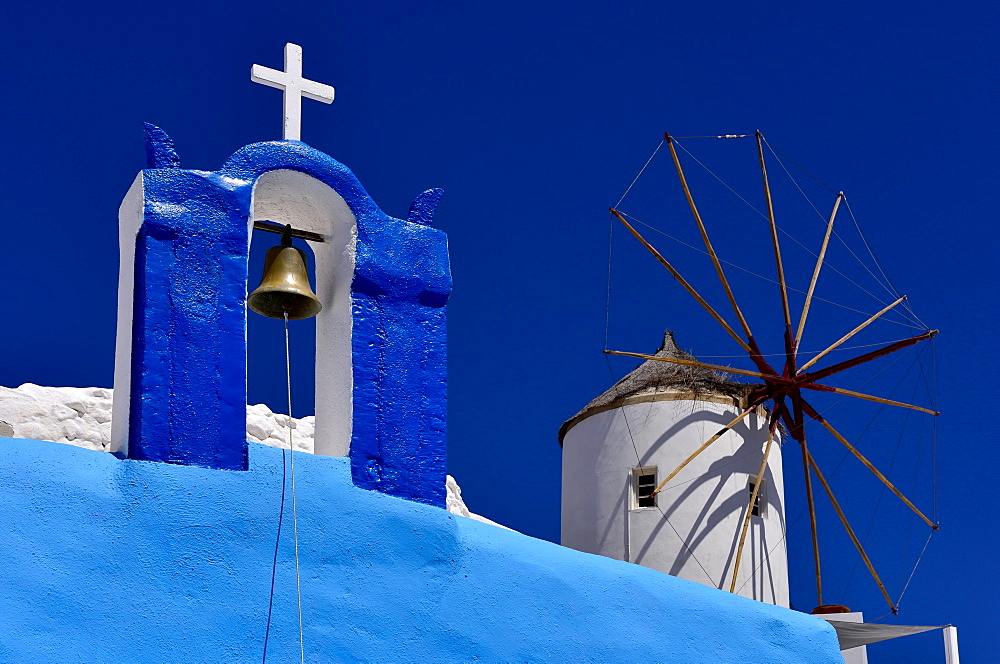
(78, 416)
(81, 416)
(693, 532)
(287, 197)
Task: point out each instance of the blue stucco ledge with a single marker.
(117, 560)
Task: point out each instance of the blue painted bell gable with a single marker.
(381, 354)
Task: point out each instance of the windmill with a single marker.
(787, 384)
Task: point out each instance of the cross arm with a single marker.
(269, 77)
(317, 91)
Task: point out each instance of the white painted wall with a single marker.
(130, 215)
(858, 655)
(951, 645)
(704, 504)
(290, 197)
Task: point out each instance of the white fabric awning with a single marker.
(854, 634)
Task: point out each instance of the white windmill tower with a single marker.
(624, 443)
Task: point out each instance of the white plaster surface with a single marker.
(130, 215)
(456, 505)
(290, 197)
(951, 645)
(82, 416)
(704, 504)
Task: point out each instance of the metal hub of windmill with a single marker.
(784, 387)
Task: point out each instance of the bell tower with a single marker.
(382, 283)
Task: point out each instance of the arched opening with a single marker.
(290, 197)
(266, 377)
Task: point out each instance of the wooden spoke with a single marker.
(774, 232)
(690, 363)
(867, 397)
(819, 265)
(798, 432)
(850, 531)
(719, 434)
(753, 499)
(704, 237)
(783, 386)
(868, 464)
(875, 354)
(688, 287)
(848, 335)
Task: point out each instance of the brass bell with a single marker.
(285, 285)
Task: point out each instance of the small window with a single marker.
(757, 509)
(644, 483)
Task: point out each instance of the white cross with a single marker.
(294, 86)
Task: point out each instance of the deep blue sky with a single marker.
(534, 118)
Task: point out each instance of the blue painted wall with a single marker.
(189, 332)
(110, 560)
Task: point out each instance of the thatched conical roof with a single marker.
(651, 378)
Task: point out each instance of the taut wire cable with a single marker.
(718, 136)
(810, 352)
(799, 166)
(274, 563)
(762, 277)
(295, 516)
(878, 264)
(607, 305)
(881, 493)
(934, 455)
(914, 571)
(897, 358)
(878, 411)
(638, 459)
(888, 285)
(786, 233)
(639, 175)
(792, 237)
